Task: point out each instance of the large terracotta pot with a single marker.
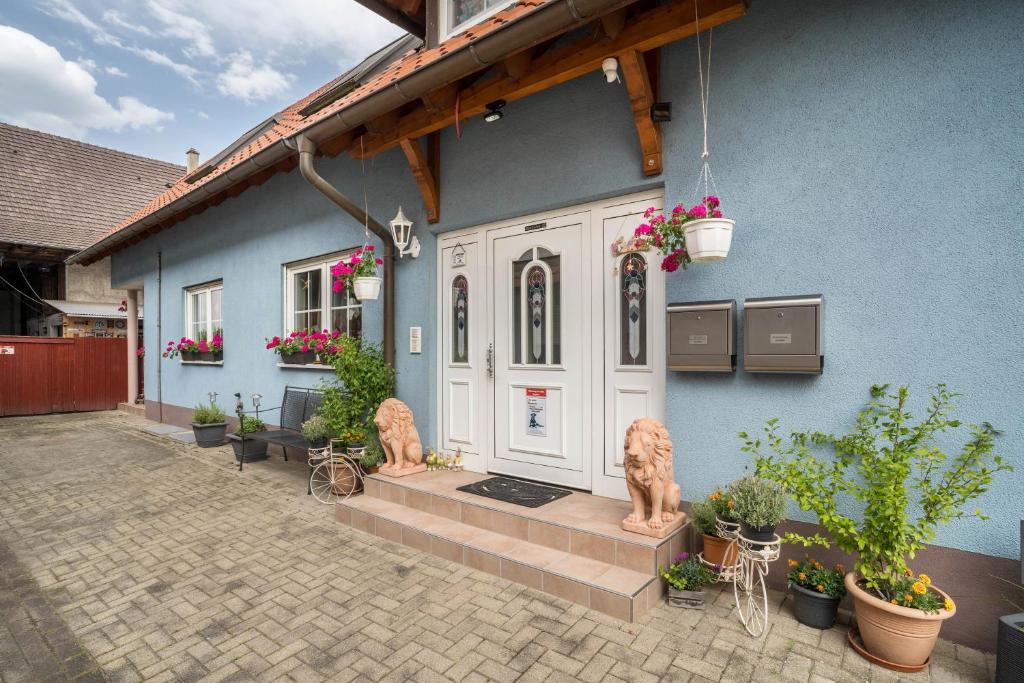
(719, 551)
(900, 635)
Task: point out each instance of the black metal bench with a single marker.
(298, 405)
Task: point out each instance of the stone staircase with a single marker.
(572, 548)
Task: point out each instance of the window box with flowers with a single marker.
(306, 347)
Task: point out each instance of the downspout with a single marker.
(159, 331)
(306, 149)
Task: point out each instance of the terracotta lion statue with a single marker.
(398, 435)
(648, 464)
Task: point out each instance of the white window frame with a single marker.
(207, 288)
(444, 9)
(323, 264)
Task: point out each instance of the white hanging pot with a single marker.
(366, 288)
(708, 239)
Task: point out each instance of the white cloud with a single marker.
(115, 18)
(87, 64)
(40, 89)
(184, 70)
(185, 28)
(248, 82)
(114, 71)
(203, 115)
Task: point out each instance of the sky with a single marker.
(155, 77)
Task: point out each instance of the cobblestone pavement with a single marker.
(126, 557)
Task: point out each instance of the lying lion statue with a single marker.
(398, 435)
(648, 464)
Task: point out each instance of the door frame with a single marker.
(594, 418)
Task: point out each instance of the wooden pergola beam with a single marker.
(425, 178)
(647, 31)
(641, 99)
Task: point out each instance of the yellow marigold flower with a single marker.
(908, 571)
(821, 589)
(925, 579)
(893, 601)
(792, 563)
(802, 576)
(919, 588)
(908, 598)
(948, 604)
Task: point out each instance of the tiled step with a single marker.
(616, 591)
(579, 524)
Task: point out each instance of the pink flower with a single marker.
(346, 270)
(642, 229)
(679, 208)
(658, 239)
(698, 211)
(319, 346)
(369, 247)
(203, 346)
(716, 214)
(294, 334)
(336, 334)
(649, 212)
(338, 286)
(332, 349)
(379, 261)
(305, 348)
(183, 340)
(711, 201)
(356, 260)
(670, 264)
(336, 269)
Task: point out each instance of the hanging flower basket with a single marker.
(359, 271)
(708, 239)
(366, 288)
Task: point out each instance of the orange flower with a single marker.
(821, 589)
(730, 504)
(925, 579)
(919, 588)
(893, 601)
(802, 576)
(948, 604)
(908, 571)
(840, 568)
(792, 563)
(908, 598)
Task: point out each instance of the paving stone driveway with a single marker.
(125, 556)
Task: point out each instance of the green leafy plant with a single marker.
(316, 429)
(890, 469)
(688, 573)
(373, 457)
(704, 518)
(210, 414)
(814, 576)
(723, 505)
(759, 502)
(353, 435)
(363, 380)
(250, 424)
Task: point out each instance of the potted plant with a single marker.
(212, 351)
(698, 234)
(316, 431)
(185, 348)
(254, 450)
(209, 424)
(360, 272)
(892, 467)
(718, 551)
(294, 349)
(760, 506)
(371, 460)
(355, 441)
(686, 578)
(817, 591)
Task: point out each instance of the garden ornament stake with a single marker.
(239, 409)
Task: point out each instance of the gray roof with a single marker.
(88, 309)
(56, 192)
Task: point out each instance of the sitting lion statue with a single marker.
(398, 435)
(648, 464)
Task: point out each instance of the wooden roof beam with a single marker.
(647, 31)
(425, 178)
(641, 98)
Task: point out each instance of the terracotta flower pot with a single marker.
(719, 551)
(897, 634)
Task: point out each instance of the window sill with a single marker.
(310, 366)
(202, 362)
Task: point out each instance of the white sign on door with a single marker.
(536, 409)
(6, 350)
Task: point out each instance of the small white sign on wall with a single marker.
(536, 412)
(6, 350)
(416, 340)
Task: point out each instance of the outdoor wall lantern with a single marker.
(401, 232)
(256, 400)
(212, 396)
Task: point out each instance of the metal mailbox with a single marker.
(783, 334)
(702, 336)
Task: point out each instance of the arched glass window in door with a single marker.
(460, 319)
(633, 310)
(536, 308)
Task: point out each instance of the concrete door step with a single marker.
(605, 587)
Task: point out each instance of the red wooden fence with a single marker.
(44, 375)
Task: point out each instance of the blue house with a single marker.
(868, 152)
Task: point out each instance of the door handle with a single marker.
(490, 360)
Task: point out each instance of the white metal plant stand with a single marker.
(748, 574)
(334, 477)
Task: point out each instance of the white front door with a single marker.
(541, 308)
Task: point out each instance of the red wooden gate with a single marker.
(44, 375)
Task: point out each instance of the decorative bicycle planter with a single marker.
(334, 475)
(747, 577)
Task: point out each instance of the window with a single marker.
(633, 310)
(536, 302)
(204, 310)
(457, 15)
(311, 303)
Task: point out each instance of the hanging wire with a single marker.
(366, 200)
(705, 178)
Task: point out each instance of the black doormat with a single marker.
(515, 491)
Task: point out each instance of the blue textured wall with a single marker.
(850, 143)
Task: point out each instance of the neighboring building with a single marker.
(56, 197)
(867, 151)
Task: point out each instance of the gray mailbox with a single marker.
(702, 336)
(783, 334)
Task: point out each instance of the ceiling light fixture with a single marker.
(661, 112)
(494, 111)
(610, 66)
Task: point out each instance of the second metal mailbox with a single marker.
(702, 336)
(783, 334)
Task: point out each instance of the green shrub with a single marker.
(208, 414)
(373, 456)
(704, 518)
(363, 380)
(316, 429)
(759, 502)
(889, 469)
(250, 424)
